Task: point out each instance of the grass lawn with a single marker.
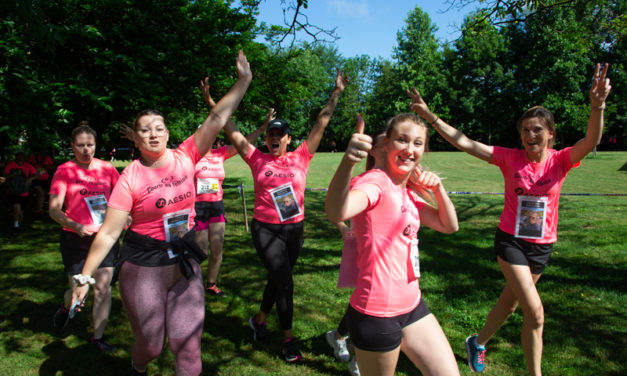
(583, 288)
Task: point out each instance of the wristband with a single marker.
(598, 108)
(82, 280)
(435, 121)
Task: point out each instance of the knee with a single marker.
(535, 315)
(102, 291)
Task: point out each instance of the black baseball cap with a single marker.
(279, 124)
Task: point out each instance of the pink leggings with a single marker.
(159, 300)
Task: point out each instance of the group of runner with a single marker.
(170, 204)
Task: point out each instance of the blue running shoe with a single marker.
(476, 354)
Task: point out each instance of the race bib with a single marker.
(414, 259)
(285, 202)
(531, 217)
(97, 208)
(176, 225)
(208, 185)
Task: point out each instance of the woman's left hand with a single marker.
(600, 88)
(340, 80)
(206, 95)
(427, 179)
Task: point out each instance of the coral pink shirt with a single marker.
(210, 175)
(74, 183)
(40, 162)
(271, 172)
(26, 168)
(525, 178)
(385, 231)
(150, 193)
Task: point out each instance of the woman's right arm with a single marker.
(452, 135)
(342, 204)
(55, 209)
(108, 234)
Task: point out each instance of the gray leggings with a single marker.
(159, 300)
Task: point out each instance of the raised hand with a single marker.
(426, 179)
(359, 145)
(419, 106)
(126, 132)
(271, 115)
(206, 95)
(243, 66)
(340, 80)
(600, 88)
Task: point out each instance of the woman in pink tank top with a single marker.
(387, 314)
(160, 280)
(528, 226)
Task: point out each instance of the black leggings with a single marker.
(278, 247)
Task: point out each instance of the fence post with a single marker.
(241, 192)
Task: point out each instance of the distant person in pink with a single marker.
(159, 271)
(210, 214)
(44, 166)
(83, 186)
(279, 178)
(19, 176)
(533, 180)
(387, 313)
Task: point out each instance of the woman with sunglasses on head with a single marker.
(533, 179)
(159, 271)
(277, 227)
(387, 314)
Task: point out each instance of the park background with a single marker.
(103, 61)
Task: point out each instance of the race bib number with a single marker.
(97, 208)
(531, 217)
(204, 186)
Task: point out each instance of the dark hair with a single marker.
(146, 112)
(83, 127)
(407, 116)
(545, 116)
(370, 159)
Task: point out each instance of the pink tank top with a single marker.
(210, 175)
(279, 184)
(532, 187)
(85, 192)
(385, 233)
(154, 195)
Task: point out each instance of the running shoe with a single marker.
(353, 368)
(339, 346)
(61, 318)
(136, 372)
(476, 354)
(102, 345)
(213, 289)
(259, 330)
(290, 350)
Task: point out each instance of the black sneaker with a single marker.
(102, 345)
(213, 289)
(61, 317)
(136, 372)
(259, 330)
(290, 351)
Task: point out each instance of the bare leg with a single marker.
(102, 300)
(373, 363)
(426, 346)
(216, 234)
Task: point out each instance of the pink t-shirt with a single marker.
(26, 168)
(385, 233)
(41, 162)
(151, 193)
(272, 172)
(524, 178)
(75, 184)
(210, 175)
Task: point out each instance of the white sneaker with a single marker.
(339, 346)
(353, 368)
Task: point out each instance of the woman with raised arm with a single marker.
(210, 219)
(387, 314)
(83, 186)
(533, 180)
(277, 226)
(159, 269)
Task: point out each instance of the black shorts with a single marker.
(17, 199)
(207, 210)
(381, 334)
(74, 250)
(518, 251)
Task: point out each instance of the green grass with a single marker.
(583, 288)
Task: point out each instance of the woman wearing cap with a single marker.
(160, 279)
(279, 178)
